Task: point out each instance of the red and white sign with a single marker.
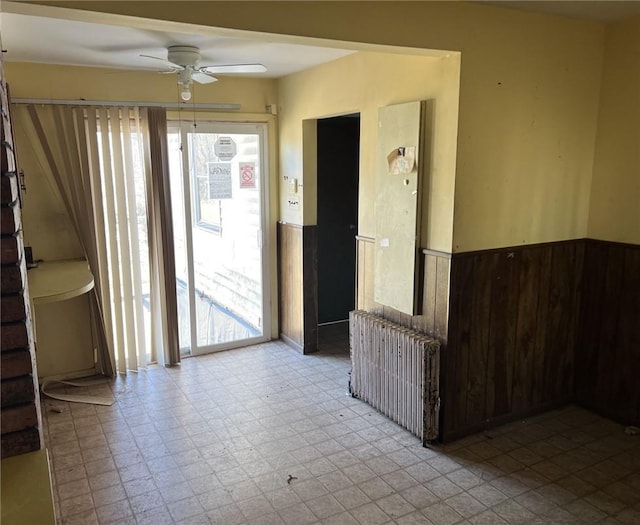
(247, 175)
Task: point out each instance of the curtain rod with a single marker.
(167, 105)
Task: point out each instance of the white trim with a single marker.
(187, 202)
(115, 103)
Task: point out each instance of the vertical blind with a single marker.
(123, 235)
(101, 161)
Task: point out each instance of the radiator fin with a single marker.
(396, 370)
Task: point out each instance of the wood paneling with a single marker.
(454, 395)
(364, 275)
(563, 319)
(511, 334)
(607, 359)
(435, 267)
(298, 282)
(433, 318)
(310, 288)
(478, 332)
(290, 280)
(525, 371)
(528, 328)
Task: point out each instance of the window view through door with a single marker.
(217, 177)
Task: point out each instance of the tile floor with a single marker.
(263, 435)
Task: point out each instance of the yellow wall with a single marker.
(47, 227)
(364, 82)
(529, 92)
(528, 111)
(528, 118)
(68, 82)
(614, 212)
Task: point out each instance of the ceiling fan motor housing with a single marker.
(185, 56)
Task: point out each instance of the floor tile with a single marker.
(442, 514)
(370, 514)
(325, 506)
(395, 506)
(465, 505)
(298, 514)
(264, 435)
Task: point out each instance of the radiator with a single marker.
(396, 370)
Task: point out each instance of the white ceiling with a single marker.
(53, 36)
(28, 38)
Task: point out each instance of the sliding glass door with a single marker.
(218, 181)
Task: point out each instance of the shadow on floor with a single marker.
(334, 338)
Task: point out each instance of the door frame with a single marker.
(262, 129)
(299, 330)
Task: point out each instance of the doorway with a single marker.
(338, 176)
(218, 185)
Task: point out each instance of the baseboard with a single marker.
(447, 437)
(292, 343)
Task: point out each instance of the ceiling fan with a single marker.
(185, 61)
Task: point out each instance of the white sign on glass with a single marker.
(220, 182)
(225, 148)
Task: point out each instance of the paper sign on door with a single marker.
(247, 175)
(402, 160)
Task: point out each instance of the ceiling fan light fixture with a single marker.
(185, 92)
(184, 82)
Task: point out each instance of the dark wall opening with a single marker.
(338, 174)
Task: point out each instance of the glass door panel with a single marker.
(219, 252)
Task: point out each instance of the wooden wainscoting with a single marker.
(512, 333)
(364, 275)
(310, 288)
(432, 318)
(290, 284)
(528, 328)
(608, 353)
(298, 286)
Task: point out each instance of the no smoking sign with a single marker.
(248, 175)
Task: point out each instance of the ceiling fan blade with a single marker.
(203, 78)
(235, 68)
(170, 64)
